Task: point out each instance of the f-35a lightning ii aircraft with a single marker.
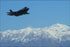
(18, 13)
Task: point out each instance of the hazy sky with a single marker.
(42, 14)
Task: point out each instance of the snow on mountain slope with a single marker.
(57, 32)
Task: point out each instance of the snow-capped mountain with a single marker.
(55, 35)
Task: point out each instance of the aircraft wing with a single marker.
(25, 9)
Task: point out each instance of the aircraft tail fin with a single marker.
(11, 10)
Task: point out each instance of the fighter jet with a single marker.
(18, 13)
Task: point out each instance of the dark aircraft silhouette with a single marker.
(18, 13)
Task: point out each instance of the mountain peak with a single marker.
(60, 26)
(29, 27)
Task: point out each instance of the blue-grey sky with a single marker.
(42, 14)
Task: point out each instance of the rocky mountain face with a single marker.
(57, 35)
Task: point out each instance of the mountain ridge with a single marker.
(56, 32)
